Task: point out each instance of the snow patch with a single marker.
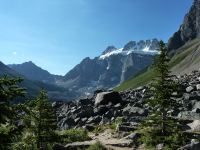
(115, 52)
(146, 49)
(120, 51)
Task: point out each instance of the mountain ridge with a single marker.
(100, 72)
(34, 72)
(33, 87)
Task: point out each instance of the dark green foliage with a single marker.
(9, 90)
(73, 135)
(152, 137)
(97, 146)
(160, 125)
(45, 120)
(40, 124)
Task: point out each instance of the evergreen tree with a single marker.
(45, 121)
(9, 90)
(160, 125)
(40, 122)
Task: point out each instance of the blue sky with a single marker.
(58, 34)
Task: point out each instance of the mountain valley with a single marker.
(145, 95)
(98, 73)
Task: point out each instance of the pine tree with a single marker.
(45, 120)
(9, 90)
(40, 124)
(160, 125)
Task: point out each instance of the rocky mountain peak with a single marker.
(109, 49)
(130, 45)
(87, 59)
(25, 64)
(29, 64)
(142, 45)
(33, 72)
(190, 28)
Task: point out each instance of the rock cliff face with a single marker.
(190, 28)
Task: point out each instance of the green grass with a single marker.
(137, 81)
(97, 146)
(144, 77)
(186, 50)
(73, 135)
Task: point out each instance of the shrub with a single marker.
(73, 135)
(27, 142)
(119, 120)
(97, 146)
(101, 128)
(171, 142)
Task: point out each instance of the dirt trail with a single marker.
(110, 142)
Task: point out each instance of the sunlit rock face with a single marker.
(190, 28)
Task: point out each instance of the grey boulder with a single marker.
(104, 98)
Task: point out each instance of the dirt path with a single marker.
(110, 142)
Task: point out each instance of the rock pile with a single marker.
(103, 108)
(106, 107)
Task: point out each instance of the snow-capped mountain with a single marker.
(142, 47)
(112, 67)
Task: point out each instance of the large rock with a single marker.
(133, 136)
(79, 145)
(94, 120)
(67, 123)
(196, 110)
(189, 115)
(134, 111)
(189, 89)
(194, 145)
(159, 146)
(195, 126)
(198, 86)
(104, 98)
(124, 128)
(195, 104)
(100, 110)
(195, 95)
(85, 111)
(57, 104)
